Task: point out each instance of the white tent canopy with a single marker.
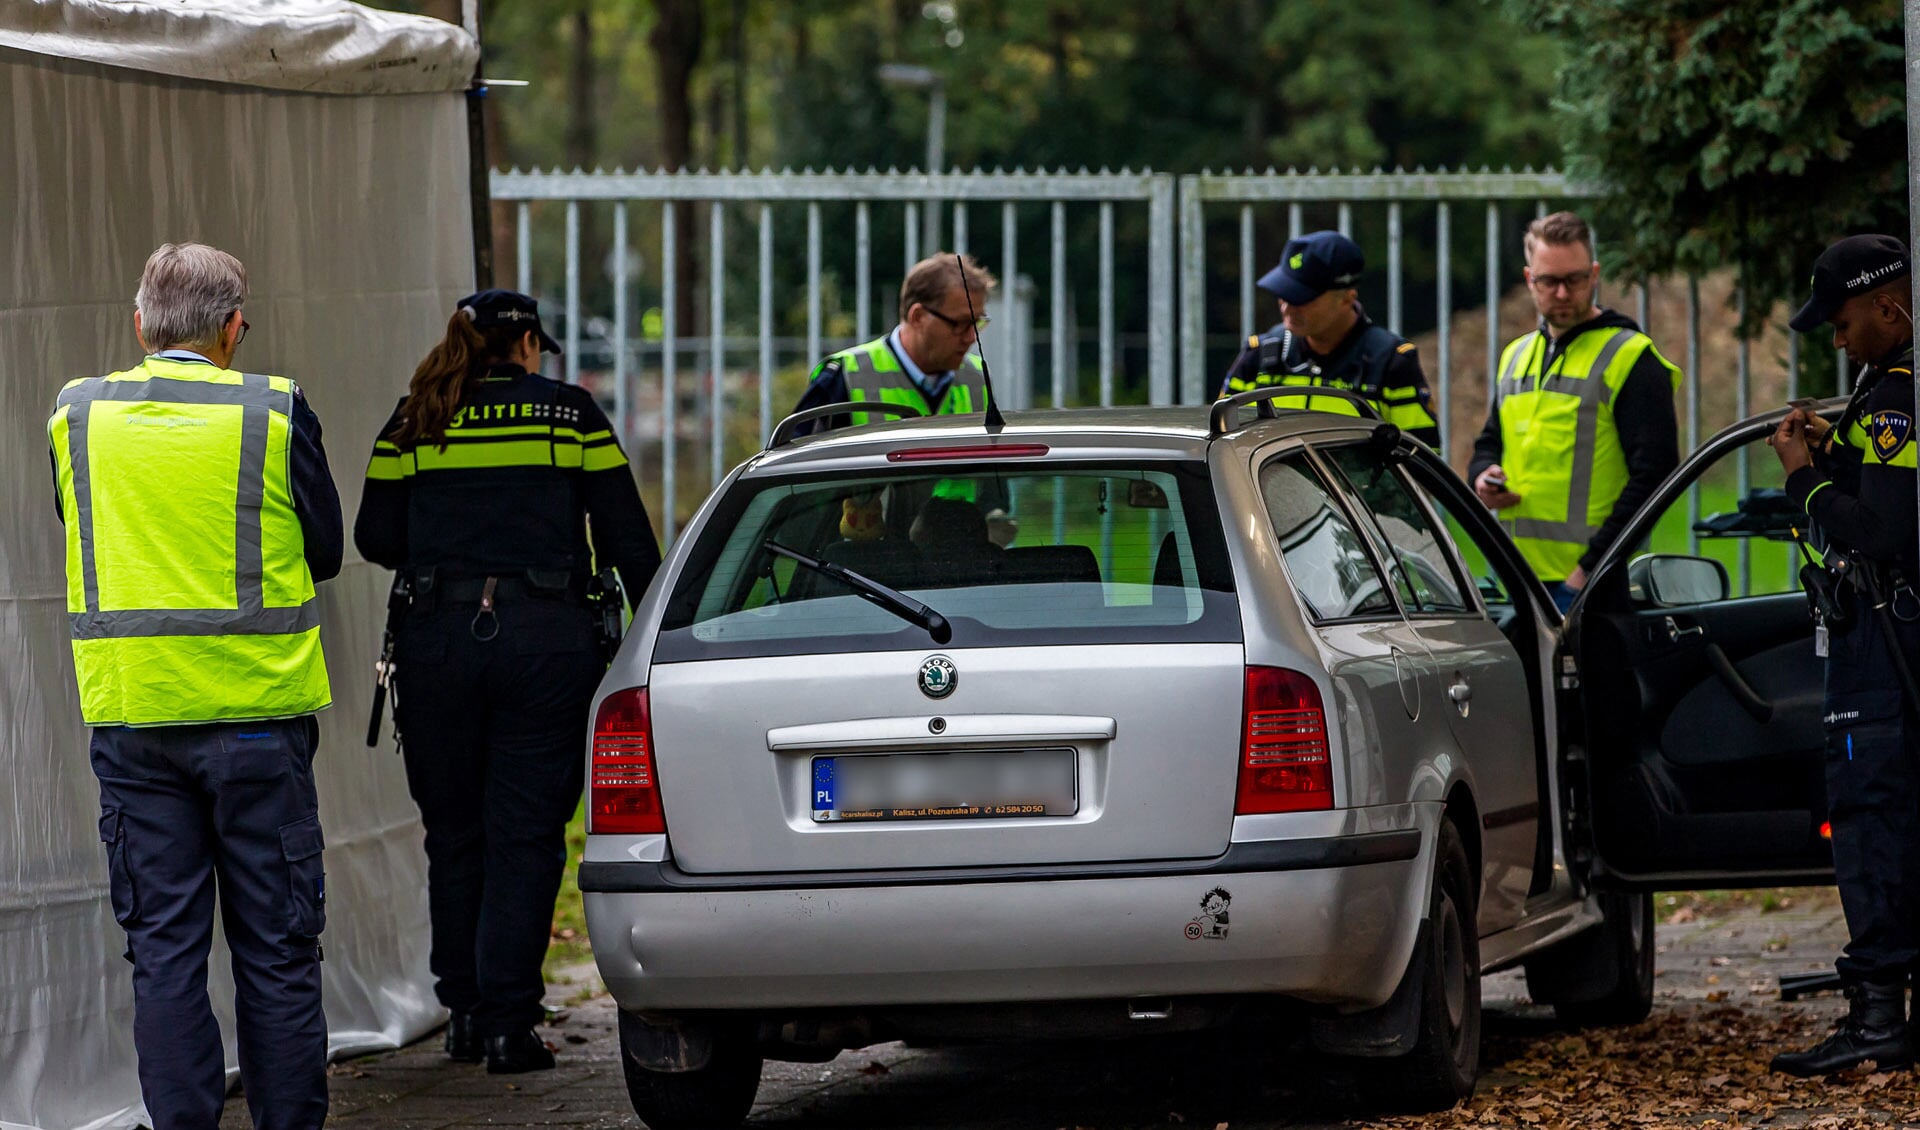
(314, 46)
(324, 144)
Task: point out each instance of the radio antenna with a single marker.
(996, 423)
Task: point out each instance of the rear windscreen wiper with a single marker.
(872, 591)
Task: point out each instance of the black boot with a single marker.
(1875, 1031)
(463, 1043)
(520, 1052)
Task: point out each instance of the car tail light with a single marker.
(624, 795)
(1285, 765)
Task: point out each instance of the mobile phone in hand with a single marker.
(1803, 402)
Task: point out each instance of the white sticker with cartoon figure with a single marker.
(1211, 922)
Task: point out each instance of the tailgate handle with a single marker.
(907, 733)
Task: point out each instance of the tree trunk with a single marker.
(737, 53)
(676, 38)
(583, 126)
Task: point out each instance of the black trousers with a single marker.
(1873, 797)
(181, 809)
(494, 735)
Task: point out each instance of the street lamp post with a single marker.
(906, 76)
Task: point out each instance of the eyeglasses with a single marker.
(1547, 284)
(242, 336)
(979, 323)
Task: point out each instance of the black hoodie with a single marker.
(1643, 414)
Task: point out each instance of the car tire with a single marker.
(717, 1095)
(1445, 1060)
(1603, 976)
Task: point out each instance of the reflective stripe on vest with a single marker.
(873, 373)
(178, 617)
(1400, 406)
(1558, 446)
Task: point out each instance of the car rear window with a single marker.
(1011, 555)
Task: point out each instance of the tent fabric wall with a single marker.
(351, 213)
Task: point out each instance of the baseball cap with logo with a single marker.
(1312, 265)
(508, 308)
(1854, 266)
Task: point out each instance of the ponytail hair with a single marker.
(440, 380)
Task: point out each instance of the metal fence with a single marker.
(1178, 213)
(763, 193)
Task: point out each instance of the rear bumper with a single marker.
(1326, 919)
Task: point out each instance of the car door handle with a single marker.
(1460, 693)
(1676, 633)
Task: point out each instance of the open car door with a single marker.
(1691, 693)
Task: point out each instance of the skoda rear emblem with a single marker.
(938, 676)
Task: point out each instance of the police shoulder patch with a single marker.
(1404, 347)
(1891, 432)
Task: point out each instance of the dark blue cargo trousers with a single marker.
(1873, 797)
(185, 810)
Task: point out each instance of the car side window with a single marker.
(1736, 514)
(1326, 557)
(1480, 571)
(1423, 570)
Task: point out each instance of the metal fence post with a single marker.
(1058, 331)
(1193, 290)
(766, 322)
(1160, 271)
(621, 406)
(572, 336)
(716, 339)
(669, 366)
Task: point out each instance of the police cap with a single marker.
(1312, 265)
(507, 308)
(1851, 267)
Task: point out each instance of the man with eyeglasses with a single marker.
(1580, 427)
(925, 362)
(200, 516)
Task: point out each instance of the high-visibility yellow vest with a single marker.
(188, 594)
(873, 373)
(1559, 447)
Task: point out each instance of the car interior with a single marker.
(1708, 753)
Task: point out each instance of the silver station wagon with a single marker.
(1135, 720)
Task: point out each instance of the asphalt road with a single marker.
(1700, 1058)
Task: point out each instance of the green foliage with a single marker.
(1742, 132)
(1179, 85)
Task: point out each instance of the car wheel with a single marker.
(717, 1095)
(1445, 1060)
(1605, 975)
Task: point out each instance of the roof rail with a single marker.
(1221, 420)
(783, 431)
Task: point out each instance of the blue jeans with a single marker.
(1562, 595)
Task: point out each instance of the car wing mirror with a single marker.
(1671, 580)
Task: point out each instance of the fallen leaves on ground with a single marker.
(1683, 1067)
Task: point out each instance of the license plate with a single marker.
(974, 785)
